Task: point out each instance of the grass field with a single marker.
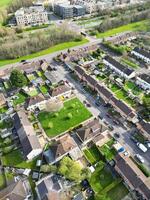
(142, 25)
(15, 159)
(50, 50)
(71, 115)
(4, 3)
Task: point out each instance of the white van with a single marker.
(142, 147)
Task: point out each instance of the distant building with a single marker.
(118, 68)
(143, 81)
(142, 54)
(78, 10)
(19, 190)
(27, 136)
(65, 11)
(34, 15)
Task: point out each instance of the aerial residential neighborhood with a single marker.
(74, 100)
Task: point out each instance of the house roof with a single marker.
(2, 99)
(104, 91)
(90, 130)
(145, 77)
(90, 80)
(49, 188)
(133, 174)
(145, 126)
(59, 90)
(15, 191)
(142, 52)
(50, 77)
(119, 66)
(34, 100)
(26, 133)
(79, 70)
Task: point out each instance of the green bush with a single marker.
(144, 169)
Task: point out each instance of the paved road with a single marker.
(125, 134)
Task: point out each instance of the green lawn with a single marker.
(21, 99)
(33, 93)
(50, 50)
(15, 159)
(4, 3)
(142, 25)
(133, 87)
(100, 178)
(92, 154)
(3, 109)
(108, 150)
(44, 89)
(121, 94)
(2, 181)
(129, 63)
(105, 185)
(114, 87)
(118, 192)
(54, 125)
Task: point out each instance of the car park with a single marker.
(139, 158)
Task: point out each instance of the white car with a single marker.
(139, 158)
(142, 147)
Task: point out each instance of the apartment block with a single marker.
(34, 15)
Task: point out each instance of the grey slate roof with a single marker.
(119, 66)
(26, 133)
(142, 52)
(145, 78)
(15, 191)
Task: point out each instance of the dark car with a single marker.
(88, 105)
(23, 61)
(111, 127)
(133, 139)
(116, 135)
(116, 122)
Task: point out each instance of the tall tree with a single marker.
(18, 79)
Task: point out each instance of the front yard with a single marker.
(71, 115)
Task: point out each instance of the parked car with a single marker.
(133, 139)
(139, 158)
(116, 122)
(111, 127)
(100, 116)
(117, 135)
(142, 147)
(147, 144)
(88, 105)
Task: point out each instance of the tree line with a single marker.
(28, 43)
(110, 23)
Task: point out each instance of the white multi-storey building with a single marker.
(143, 81)
(142, 54)
(34, 15)
(118, 68)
